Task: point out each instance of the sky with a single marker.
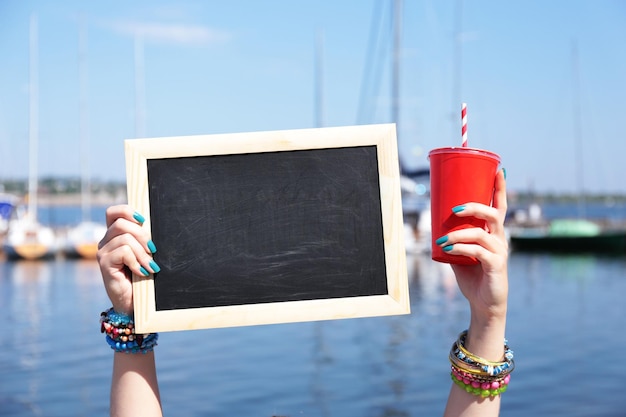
(544, 81)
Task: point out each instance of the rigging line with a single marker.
(373, 63)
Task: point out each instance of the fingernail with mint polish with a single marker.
(152, 246)
(504, 172)
(156, 268)
(441, 240)
(140, 219)
(144, 272)
(458, 209)
(448, 248)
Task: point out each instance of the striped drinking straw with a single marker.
(464, 124)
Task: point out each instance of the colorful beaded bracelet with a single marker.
(461, 358)
(484, 389)
(478, 369)
(479, 381)
(464, 353)
(120, 333)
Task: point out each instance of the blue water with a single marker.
(62, 216)
(566, 325)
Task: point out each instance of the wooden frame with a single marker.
(383, 137)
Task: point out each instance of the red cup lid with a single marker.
(466, 150)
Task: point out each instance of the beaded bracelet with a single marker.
(484, 389)
(470, 366)
(474, 380)
(120, 333)
(463, 359)
(464, 354)
(479, 376)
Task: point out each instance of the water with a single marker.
(62, 216)
(566, 325)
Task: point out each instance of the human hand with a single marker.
(484, 285)
(126, 249)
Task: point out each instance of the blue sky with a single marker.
(239, 66)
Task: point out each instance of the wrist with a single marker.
(486, 335)
(493, 318)
(123, 307)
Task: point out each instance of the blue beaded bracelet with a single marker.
(491, 368)
(478, 364)
(120, 333)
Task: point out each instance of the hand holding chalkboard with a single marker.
(125, 249)
(269, 227)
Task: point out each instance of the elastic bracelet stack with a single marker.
(120, 333)
(479, 376)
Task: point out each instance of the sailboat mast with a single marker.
(578, 138)
(85, 184)
(395, 73)
(319, 79)
(33, 118)
(140, 89)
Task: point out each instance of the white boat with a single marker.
(82, 240)
(27, 238)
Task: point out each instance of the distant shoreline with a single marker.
(72, 200)
(106, 199)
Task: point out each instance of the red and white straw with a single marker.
(464, 124)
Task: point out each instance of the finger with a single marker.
(492, 216)
(123, 211)
(123, 226)
(476, 236)
(469, 249)
(126, 250)
(117, 276)
(499, 196)
(496, 223)
(490, 260)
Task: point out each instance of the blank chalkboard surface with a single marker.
(269, 227)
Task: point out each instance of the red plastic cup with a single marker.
(458, 175)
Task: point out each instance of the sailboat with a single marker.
(27, 238)
(567, 235)
(82, 240)
(7, 205)
(570, 236)
(414, 184)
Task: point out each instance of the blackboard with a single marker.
(269, 227)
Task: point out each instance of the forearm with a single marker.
(134, 388)
(485, 339)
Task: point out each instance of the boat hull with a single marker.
(29, 240)
(610, 242)
(28, 251)
(83, 240)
